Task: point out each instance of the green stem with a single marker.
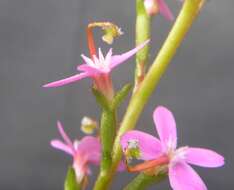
(143, 29)
(103, 181)
(142, 181)
(183, 23)
(107, 133)
(71, 182)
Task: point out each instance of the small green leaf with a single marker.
(121, 95)
(70, 181)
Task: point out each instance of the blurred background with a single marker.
(41, 41)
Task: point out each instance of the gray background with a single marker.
(41, 41)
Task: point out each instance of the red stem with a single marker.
(91, 43)
(149, 164)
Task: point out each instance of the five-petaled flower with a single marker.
(158, 6)
(98, 68)
(84, 152)
(163, 152)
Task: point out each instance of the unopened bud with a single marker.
(88, 125)
(151, 7)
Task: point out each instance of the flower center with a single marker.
(178, 155)
(101, 62)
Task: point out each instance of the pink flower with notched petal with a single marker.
(84, 152)
(164, 151)
(154, 6)
(98, 66)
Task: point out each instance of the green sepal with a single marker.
(70, 181)
(121, 95)
(101, 99)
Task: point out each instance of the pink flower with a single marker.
(164, 152)
(98, 68)
(84, 152)
(154, 6)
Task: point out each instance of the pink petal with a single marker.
(67, 80)
(204, 157)
(61, 146)
(64, 135)
(166, 127)
(87, 59)
(183, 177)
(90, 148)
(108, 55)
(151, 7)
(89, 69)
(81, 170)
(118, 59)
(164, 10)
(149, 145)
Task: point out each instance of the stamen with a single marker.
(149, 164)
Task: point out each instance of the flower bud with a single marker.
(151, 7)
(88, 125)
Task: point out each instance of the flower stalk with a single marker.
(182, 25)
(107, 133)
(143, 29)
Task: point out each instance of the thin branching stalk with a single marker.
(143, 30)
